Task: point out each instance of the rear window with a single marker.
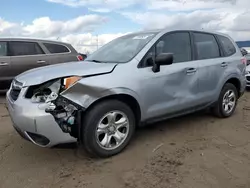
(227, 46)
(56, 48)
(206, 46)
(3, 48)
(20, 48)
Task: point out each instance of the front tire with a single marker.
(108, 128)
(227, 101)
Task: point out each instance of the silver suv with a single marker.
(135, 79)
(18, 55)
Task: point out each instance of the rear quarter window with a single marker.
(227, 45)
(56, 48)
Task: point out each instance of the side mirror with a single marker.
(162, 59)
(243, 51)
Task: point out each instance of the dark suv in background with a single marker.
(18, 55)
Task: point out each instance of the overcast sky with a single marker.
(79, 21)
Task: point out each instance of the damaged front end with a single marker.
(66, 113)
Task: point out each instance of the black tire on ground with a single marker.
(218, 109)
(90, 124)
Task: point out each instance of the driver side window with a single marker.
(178, 43)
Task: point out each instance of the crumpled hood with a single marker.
(46, 73)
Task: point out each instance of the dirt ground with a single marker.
(195, 151)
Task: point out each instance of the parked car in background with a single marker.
(18, 55)
(245, 48)
(244, 51)
(133, 80)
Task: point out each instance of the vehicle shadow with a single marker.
(188, 121)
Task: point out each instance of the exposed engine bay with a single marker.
(64, 111)
(65, 114)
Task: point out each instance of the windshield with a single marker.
(122, 49)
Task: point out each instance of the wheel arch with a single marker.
(125, 98)
(236, 82)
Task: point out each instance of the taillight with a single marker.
(244, 60)
(80, 58)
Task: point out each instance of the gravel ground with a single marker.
(195, 151)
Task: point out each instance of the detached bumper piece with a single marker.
(66, 114)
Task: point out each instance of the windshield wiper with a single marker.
(96, 61)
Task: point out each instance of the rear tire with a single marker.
(108, 128)
(227, 102)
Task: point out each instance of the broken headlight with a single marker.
(45, 92)
(49, 91)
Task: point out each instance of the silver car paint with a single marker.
(172, 89)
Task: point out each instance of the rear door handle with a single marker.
(4, 64)
(224, 64)
(191, 70)
(41, 61)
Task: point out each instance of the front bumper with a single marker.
(32, 122)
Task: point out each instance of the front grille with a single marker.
(248, 78)
(14, 93)
(15, 89)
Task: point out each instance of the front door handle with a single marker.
(4, 64)
(191, 70)
(224, 64)
(41, 61)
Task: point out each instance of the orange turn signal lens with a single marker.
(70, 81)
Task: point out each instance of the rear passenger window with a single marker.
(20, 48)
(227, 45)
(176, 43)
(3, 48)
(56, 48)
(206, 46)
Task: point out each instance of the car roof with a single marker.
(156, 31)
(32, 40)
